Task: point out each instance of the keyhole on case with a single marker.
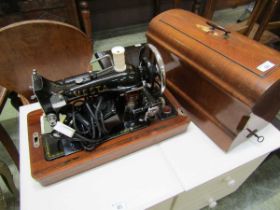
(36, 142)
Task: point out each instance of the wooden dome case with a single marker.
(228, 83)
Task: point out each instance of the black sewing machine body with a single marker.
(87, 110)
(96, 117)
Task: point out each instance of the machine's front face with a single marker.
(87, 110)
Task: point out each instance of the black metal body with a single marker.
(100, 106)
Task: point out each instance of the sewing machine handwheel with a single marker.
(150, 56)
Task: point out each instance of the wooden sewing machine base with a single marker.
(48, 172)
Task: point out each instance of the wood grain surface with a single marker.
(48, 172)
(3, 97)
(216, 77)
(56, 50)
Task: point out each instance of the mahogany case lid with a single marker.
(244, 68)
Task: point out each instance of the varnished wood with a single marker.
(212, 5)
(48, 172)
(85, 13)
(216, 77)
(3, 97)
(262, 13)
(72, 11)
(266, 18)
(266, 38)
(57, 50)
(258, 8)
(209, 9)
(273, 25)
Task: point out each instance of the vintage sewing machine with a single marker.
(99, 116)
(229, 86)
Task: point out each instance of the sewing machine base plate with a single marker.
(48, 172)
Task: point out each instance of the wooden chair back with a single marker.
(56, 50)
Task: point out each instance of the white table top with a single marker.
(142, 179)
(195, 157)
